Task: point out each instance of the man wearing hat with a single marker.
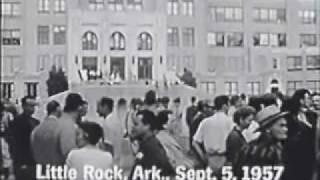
(22, 126)
(267, 150)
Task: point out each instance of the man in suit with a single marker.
(22, 126)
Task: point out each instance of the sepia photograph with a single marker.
(160, 90)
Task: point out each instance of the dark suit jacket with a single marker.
(300, 147)
(22, 128)
(153, 154)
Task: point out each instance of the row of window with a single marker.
(221, 39)
(312, 85)
(116, 5)
(45, 62)
(44, 6)
(255, 87)
(229, 64)
(235, 39)
(59, 35)
(178, 63)
(232, 87)
(295, 63)
(266, 15)
(117, 39)
(188, 37)
(183, 7)
(7, 89)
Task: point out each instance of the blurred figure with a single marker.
(22, 126)
(67, 124)
(235, 103)
(316, 101)
(268, 149)
(301, 136)
(45, 137)
(104, 110)
(83, 112)
(175, 125)
(191, 111)
(89, 135)
(4, 147)
(212, 135)
(235, 141)
(244, 100)
(176, 154)
(112, 128)
(150, 101)
(198, 118)
(151, 152)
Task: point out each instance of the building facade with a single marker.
(231, 46)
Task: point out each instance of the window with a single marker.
(117, 41)
(261, 39)
(43, 6)
(235, 39)
(90, 63)
(144, 41)
(294, 63)
(10, 36)
(173, 36)
(59, 35)
(9, 64)
(135, 5)
(7, 90)
(60, 6)
(308, 40)
(209, 87)
(269, 15)
(275, 63)
(234, 64)
(96, 4)
(216, 39)
(188, 37)
(313, 85)
(59, 61)
(115, 5)
(188, 62)
(292, 86)
(31, 89)
(313, 62)
(43, 35)
(43, 62)
(277, 40)
(270, 39)
(10, 8)
(171, 63)
(89, 41)
(231, 88)
(221, 14)
(173, 7)
(308, 16)
(213, 63)
(187, 7)
(254, 88)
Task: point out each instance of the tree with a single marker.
(57, 81)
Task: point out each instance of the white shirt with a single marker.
(213, 132)
(88, 156)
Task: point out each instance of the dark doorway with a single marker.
(117, 64)
(145, 68)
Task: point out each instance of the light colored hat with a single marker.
(268, 116)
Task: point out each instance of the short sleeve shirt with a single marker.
(213, 132)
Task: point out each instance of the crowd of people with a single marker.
(237, 131)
